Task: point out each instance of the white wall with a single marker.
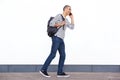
(95, 39)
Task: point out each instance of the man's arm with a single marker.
(60, 24)
(55, 22)
(72, 19)
(70, 24)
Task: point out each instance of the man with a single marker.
(58, 41)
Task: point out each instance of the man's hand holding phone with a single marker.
(71, 15)
(72, 19)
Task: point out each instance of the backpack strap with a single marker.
(62, 17)
(62, 20)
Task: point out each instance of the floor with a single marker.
(74, 76)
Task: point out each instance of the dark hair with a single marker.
(65, 7)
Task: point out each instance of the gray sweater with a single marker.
(61, 32)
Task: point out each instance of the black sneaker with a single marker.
(44, 73)
(63, 75)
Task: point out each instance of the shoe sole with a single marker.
(44, 75)
(64, 76)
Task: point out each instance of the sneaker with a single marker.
(63, 75)
(44, 73)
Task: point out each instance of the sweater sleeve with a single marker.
(56, 19)
(69, 25)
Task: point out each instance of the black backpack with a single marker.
(51, 30)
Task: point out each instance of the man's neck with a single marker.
(64, 15)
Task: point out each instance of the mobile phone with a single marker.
(70, 14)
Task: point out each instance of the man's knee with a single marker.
(52, 55)
(62, 55)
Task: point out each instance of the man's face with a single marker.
(68, 10)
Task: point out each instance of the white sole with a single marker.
(44, 75)
(64, 76)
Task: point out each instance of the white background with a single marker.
(95, 39)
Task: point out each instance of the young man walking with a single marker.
(58, 41)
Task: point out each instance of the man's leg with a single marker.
(55, 45)
(61, 50)
(60, 72)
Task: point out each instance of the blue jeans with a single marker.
(57, 44)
